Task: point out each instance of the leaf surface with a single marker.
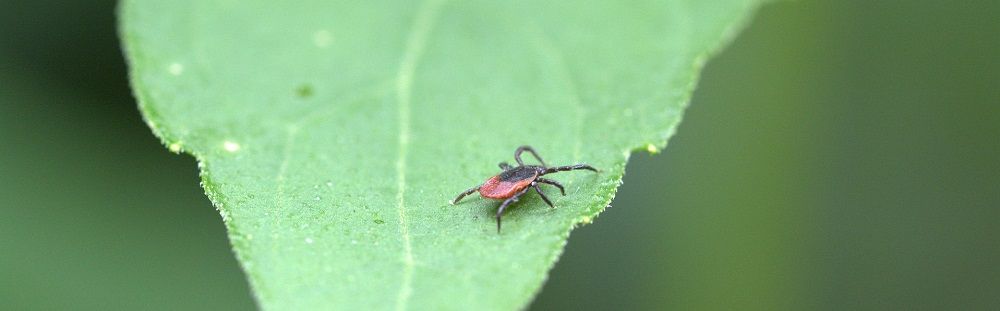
(332, 135)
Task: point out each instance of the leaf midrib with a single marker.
(416, 41)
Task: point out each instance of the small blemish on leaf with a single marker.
(304, 91)
(175, 69)
(652, 148)
(230, 146)
(322, 38)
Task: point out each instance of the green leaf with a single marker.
(331, 135)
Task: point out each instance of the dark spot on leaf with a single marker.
(304, 91)
(379, 221)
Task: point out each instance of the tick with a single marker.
(513, 182)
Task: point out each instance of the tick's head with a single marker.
(521, 173)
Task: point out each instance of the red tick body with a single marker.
(508, 183)
(513, 182)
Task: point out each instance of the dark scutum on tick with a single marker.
(514, 182)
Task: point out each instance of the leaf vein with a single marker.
(415, 44)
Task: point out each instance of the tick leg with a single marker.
(504, 166)
(504, 205)
(569, 168)
(542, 194)
(552, 182)
(467, 192)
(517, 155)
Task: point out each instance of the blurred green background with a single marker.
(837, 155)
